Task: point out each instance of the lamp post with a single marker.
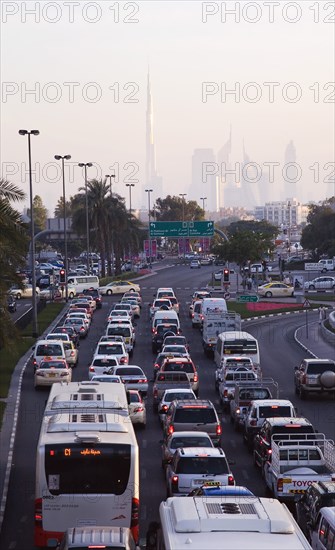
(183, 195)
(203, 203)
(32, 231)
(130, 185)
(110, 176)
(86, 165)
(149, 219)
(289, 227)
(62, 158)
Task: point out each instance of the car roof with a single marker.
(198, 403)
(200, 451)
(189, 433)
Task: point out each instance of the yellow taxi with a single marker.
(276, 290)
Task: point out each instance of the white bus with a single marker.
(83, 282)
(236, 343)
(87, 469)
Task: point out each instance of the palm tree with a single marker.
(13, 250)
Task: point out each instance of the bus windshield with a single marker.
(87, 469)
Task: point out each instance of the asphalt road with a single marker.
(279, 354)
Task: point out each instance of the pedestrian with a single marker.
(322, 314)
(249, 282)
(253, 281)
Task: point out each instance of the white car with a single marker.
(169, 396)
(26, 292)
(133, 377)
(109, 378)
(320, 283)
(135, 306)
(192, 467)
(183, 439)
(136, 408)
(116, 315)
(119, 287)
(101, 364)
(159, 303)
(117, 349)
(50, 371)
(134, 296)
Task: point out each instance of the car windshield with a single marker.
(178, 395)
(203, 465)
(165, 328)
(254, 393)
(52, 365)
(110, 349)
(119, 331)
(49, 349)
(179, 367)
(272, 411)
(194, 441)
(124, 371)
(105, 362)
(195, 415)
(319, 368)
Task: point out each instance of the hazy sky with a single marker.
(86, 63)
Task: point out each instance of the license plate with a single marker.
(51, 374)
(206, 482)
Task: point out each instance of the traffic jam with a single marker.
(293, 457)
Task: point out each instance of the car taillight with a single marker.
(38, 511)
(91, 369)
(195, 378)
(143, 381)
(192, 315)
(269, 452)
(225, 393)
(134, 525)
(280, 485)
(238, 411)
(174, 483)
(72, 354)
(122, 360)
(82, 329)
(170, 429)
(231, 480)
(155, 393)
(218, 429)
(164, 408)
(253, 422)
(139, 409)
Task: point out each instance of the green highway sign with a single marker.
(169, 229)
(182, 229)
(201, 229)
(247, 298)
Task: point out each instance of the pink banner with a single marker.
(146, 247)
(184, 246)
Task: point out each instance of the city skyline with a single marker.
(270, 80)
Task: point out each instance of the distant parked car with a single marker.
(320, 283)
(195, 264)
(26, 292)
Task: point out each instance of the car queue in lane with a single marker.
(154, 491)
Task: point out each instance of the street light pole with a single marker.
(149, 219)
(32, 232)
(86, 165)
(183, 195)
(130, 185)
(203, 204)
(62, 158)
(110, 176)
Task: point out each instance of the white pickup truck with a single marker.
(216, 322)
(297, 463)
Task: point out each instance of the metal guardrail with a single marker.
(23, 321)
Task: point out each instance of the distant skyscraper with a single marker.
(249, 182)
(152, 179)
(205, 181)
(289, 172)
(224, 165)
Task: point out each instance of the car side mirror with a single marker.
(296, 368)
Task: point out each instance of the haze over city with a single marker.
(256, 77)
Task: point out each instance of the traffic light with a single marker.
(226, 275)
(62, 276)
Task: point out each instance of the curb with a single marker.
(8, 439)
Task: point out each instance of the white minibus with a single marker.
(237, 343)
(83, 282)
(227, 522)
(87, 468)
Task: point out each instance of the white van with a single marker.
(323, 534)
(327, 265)
(50, 349)
(83, 282)
(165, 316)
(196, 314)
(213, 305)
(227, 522)
(237, 343)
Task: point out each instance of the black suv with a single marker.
(318, 495)
(161, 331)
(281, 428)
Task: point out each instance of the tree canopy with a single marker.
(174, 208)
(319, 234)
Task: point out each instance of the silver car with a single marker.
(320, 283)
(183, 439)
(133, 377)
